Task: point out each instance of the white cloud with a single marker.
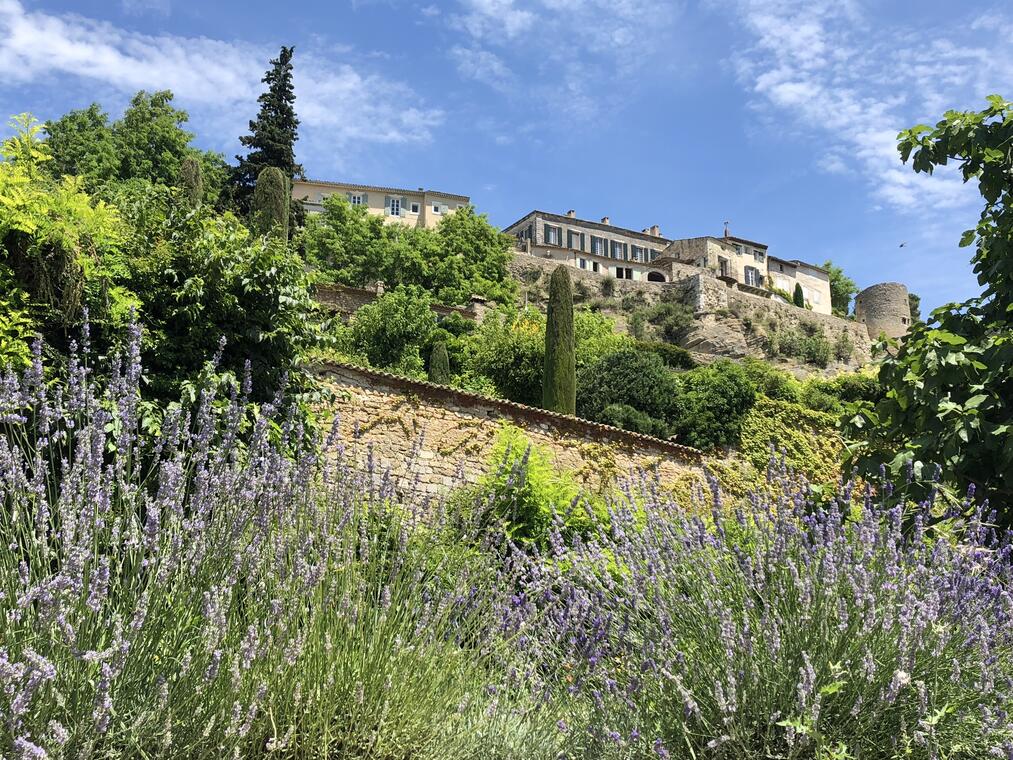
(856, 83)
(482, 66)
(218, 81)
(582, 55)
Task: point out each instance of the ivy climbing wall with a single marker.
(433, 437)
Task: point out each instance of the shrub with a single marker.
(608, 286)
(637, 379)
(770, 381)
(710, 405)
(559, 382)
(815, 350)
(674, 357)
(392, 330)
(626, 417)
(844, 347)
(669, 319)
(787, 629)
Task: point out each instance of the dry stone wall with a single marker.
(437, 436)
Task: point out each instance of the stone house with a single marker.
(596, 247)
(416, 208)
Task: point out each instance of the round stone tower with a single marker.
(884, 308)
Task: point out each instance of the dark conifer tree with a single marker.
(439, 364)
(798, 297)
(273, 133)
(559, 382)
(271, 200)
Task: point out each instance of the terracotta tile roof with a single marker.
(381, 189)
(563, 219)
(560, 420)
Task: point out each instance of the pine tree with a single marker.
(559, 379)
(269, 214)
(439, 364)
(798, 297)
(273, 133)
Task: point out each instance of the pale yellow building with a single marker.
(416, 208)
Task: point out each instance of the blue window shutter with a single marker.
(386, 205)
(582, 241)
(365, 199)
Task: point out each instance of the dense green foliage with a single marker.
(394, 331)
(439, 364)
(273, 134)
(463, 256)
(842, 289)
(949, 385)
(148, 143)
(638, 383)
(711, 404)
(269, 214)
(674, 357)
(805, 439)
(914, 302)
(666, 320)
(559, 378)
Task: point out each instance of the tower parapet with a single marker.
(884, 308)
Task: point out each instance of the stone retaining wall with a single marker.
(443, 436)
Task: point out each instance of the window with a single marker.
(759, 254)
(812, 295)
(629, 274)
(639, 253)
(618, 250)
(739, 249)
(395, 207)
(415, 208)
(722, 266)
(355, 199)
(583, 263)
(436, 208)
(575, 240)
(654, 255)
(753, 277)
(597, 246)
(619, 273)
(552, 236)
(595, 267)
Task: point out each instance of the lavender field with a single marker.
(214, 586)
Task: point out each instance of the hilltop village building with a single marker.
(416, 208)
(646, 255)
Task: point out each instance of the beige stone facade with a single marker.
(597, 247)
(433, 438)
(646, 256)
(416, 208)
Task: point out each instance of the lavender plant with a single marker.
(189, 596)
(782, 628)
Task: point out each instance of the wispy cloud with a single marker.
(581, 55)
(855, 83)
(217, 80)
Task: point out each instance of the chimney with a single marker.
(655, 230)
(572, 214)
(726, 229)
(605, 220)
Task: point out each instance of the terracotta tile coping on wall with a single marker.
(513, 409)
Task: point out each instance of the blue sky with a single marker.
(776, 115)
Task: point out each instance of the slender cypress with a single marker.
(270, 203)
(273, 133)
(559, 379)
(439, 364)
(191, 180)
(798, 297)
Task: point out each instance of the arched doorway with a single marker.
(655, 277)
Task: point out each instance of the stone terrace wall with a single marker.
(452, 433)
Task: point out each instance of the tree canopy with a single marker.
(842, 288)
(463, 256)
(273, 133)
(949, 397)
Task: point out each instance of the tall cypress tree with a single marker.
(798, 297)
(439, 364)
(271, 200)
(273, 133)
(559, 379)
